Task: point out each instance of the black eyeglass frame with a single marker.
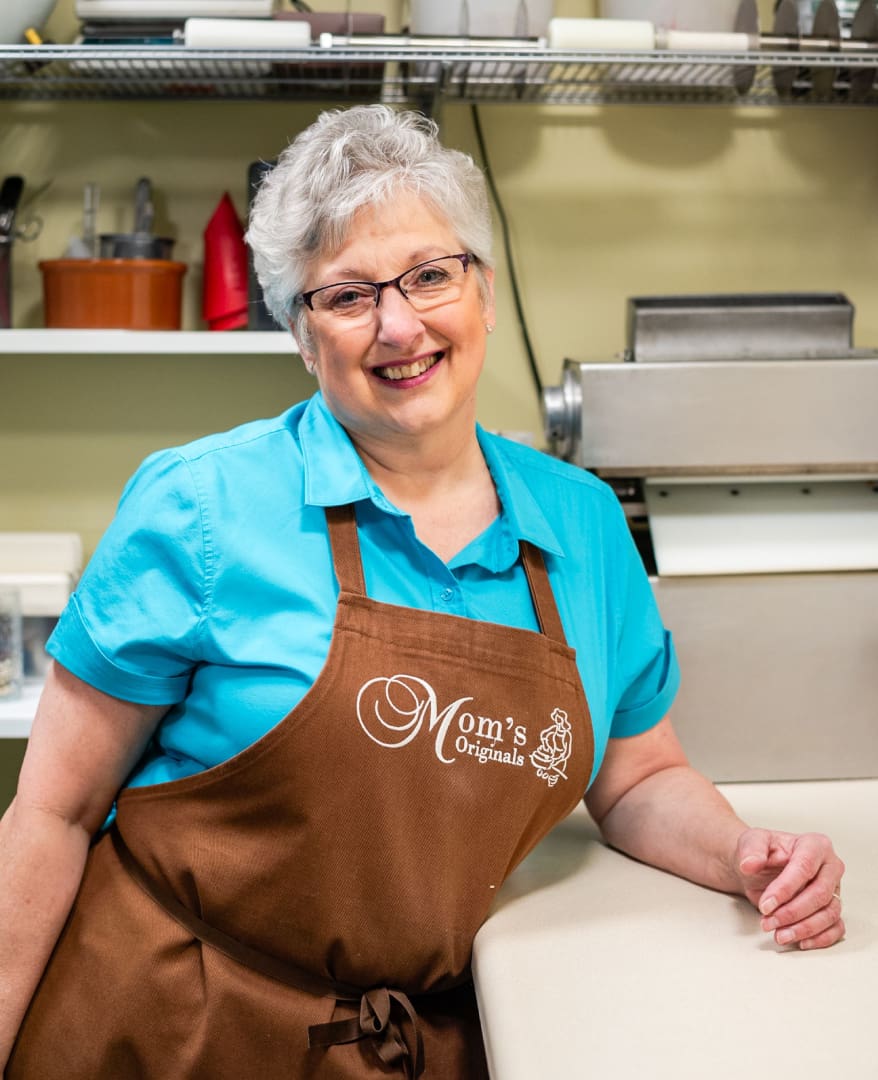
(465, 258)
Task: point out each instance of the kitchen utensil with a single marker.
(91, 198)
(127, 294)
(602, 35)
(86, 245)
(10, 195)
(144, 211)
(245, 34)
(142, 243)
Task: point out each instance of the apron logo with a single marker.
(393, 710)
(556, 743)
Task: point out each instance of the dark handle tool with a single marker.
(10, 195)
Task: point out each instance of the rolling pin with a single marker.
(637, 35)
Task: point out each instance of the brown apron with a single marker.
(307, 909)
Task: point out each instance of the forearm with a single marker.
(41, 864)
(677, 820)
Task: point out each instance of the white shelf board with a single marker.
(16, 717)
(146, 342)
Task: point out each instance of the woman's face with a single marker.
(354, 361)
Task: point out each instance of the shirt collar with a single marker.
(524, 516)
(333, 470)
(335, 475)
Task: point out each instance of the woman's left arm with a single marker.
(650, 803)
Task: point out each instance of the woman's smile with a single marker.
(409, 374)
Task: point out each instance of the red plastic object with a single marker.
(224, 300)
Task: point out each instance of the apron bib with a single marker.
(307, 908)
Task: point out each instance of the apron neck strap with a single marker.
(342, 524)
(541, 592)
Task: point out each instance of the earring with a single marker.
(489, 329)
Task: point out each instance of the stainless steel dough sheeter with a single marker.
(741, 435)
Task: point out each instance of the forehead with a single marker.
(387, 238)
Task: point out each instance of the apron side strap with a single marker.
(342, 524)
(541, 593)
(236, 950)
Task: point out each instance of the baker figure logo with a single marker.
(556, 743)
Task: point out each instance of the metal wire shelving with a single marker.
(426, 76)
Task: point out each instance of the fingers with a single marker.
(810, 874)
(798, 923)
(831, 936)
(802, 904)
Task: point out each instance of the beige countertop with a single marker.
(595, 966)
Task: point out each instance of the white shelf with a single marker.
(16, 717)
(145, 342)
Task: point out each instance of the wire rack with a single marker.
(427, 77)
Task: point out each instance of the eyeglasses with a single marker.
(427, 285)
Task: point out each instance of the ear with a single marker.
(308, 357)
(488, 303)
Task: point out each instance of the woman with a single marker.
(323, 669)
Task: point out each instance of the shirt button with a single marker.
(446, 595)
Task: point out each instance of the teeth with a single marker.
(409, 371)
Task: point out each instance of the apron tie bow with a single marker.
(376, 1021)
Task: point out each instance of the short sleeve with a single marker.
(648, 675)
(131, 629)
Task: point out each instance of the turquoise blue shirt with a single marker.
(213, 589)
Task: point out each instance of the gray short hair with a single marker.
(348, 159)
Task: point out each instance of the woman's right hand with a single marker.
(795, 883)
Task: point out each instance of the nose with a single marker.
(398, 322)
